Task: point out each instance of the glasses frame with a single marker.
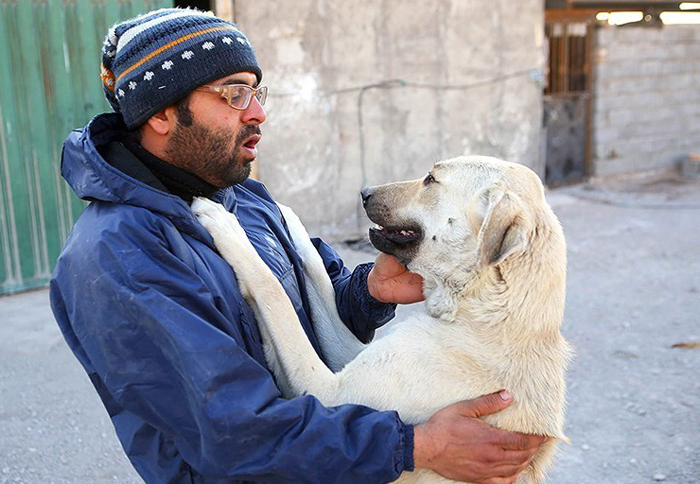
(226, 92)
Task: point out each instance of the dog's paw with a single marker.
(222, 225)
(207, 212)
(215, 218)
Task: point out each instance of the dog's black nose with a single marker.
(366, 193)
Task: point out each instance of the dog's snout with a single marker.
(366, 194)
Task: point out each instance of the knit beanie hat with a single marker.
(154, 60)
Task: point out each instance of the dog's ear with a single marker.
(497, 216)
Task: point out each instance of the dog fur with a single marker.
(493, 258)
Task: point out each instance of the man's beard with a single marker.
(209, 153)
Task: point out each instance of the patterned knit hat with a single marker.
(154, 60)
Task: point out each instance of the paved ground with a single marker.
(634, 400)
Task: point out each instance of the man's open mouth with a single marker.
(252, 142)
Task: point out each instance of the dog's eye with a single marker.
(429, 179)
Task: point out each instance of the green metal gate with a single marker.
(49, 85)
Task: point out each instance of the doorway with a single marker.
(567, 99)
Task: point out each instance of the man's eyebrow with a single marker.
(237, 80)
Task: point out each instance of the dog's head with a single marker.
(467, 214)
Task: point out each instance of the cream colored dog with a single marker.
(493, 258)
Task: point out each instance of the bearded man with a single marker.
(155, 317)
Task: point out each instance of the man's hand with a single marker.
(390, 281)
(456, 444)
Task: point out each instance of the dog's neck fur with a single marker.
(523, 282)
(526, 283)
(514, 310)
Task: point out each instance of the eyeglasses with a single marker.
(238, 96)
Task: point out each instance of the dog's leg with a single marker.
(338, 345)
(301, 368)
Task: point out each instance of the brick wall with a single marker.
(646, 110)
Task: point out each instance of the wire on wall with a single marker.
(535, 75)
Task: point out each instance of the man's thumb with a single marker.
(488, 404)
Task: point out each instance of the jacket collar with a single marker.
(93, 178)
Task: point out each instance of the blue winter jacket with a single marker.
(154, 315)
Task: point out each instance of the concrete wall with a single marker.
(326, 138)
(646, 98)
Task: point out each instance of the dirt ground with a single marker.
(634, 399)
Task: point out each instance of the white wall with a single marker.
(314, 156)
(646, 98)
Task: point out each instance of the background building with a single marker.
(367, 93)
(622, 93)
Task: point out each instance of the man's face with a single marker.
(213, 140)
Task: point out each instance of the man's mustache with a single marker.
(247, 131)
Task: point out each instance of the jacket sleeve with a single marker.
(149, 328)
(357, 308)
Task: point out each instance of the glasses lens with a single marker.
(261, 95)
(239, 96)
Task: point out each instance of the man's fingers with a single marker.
(517, 457)
(389, 265)
(479, 452)
(515, 441)
(507, 471)
(486, 405)
(415, 280)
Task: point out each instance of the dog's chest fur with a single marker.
(417, 383)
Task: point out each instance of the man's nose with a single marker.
(254, 113)
(366, 194)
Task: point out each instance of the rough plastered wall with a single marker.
(646, 98)
(329, 134)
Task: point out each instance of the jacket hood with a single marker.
(92, 178)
